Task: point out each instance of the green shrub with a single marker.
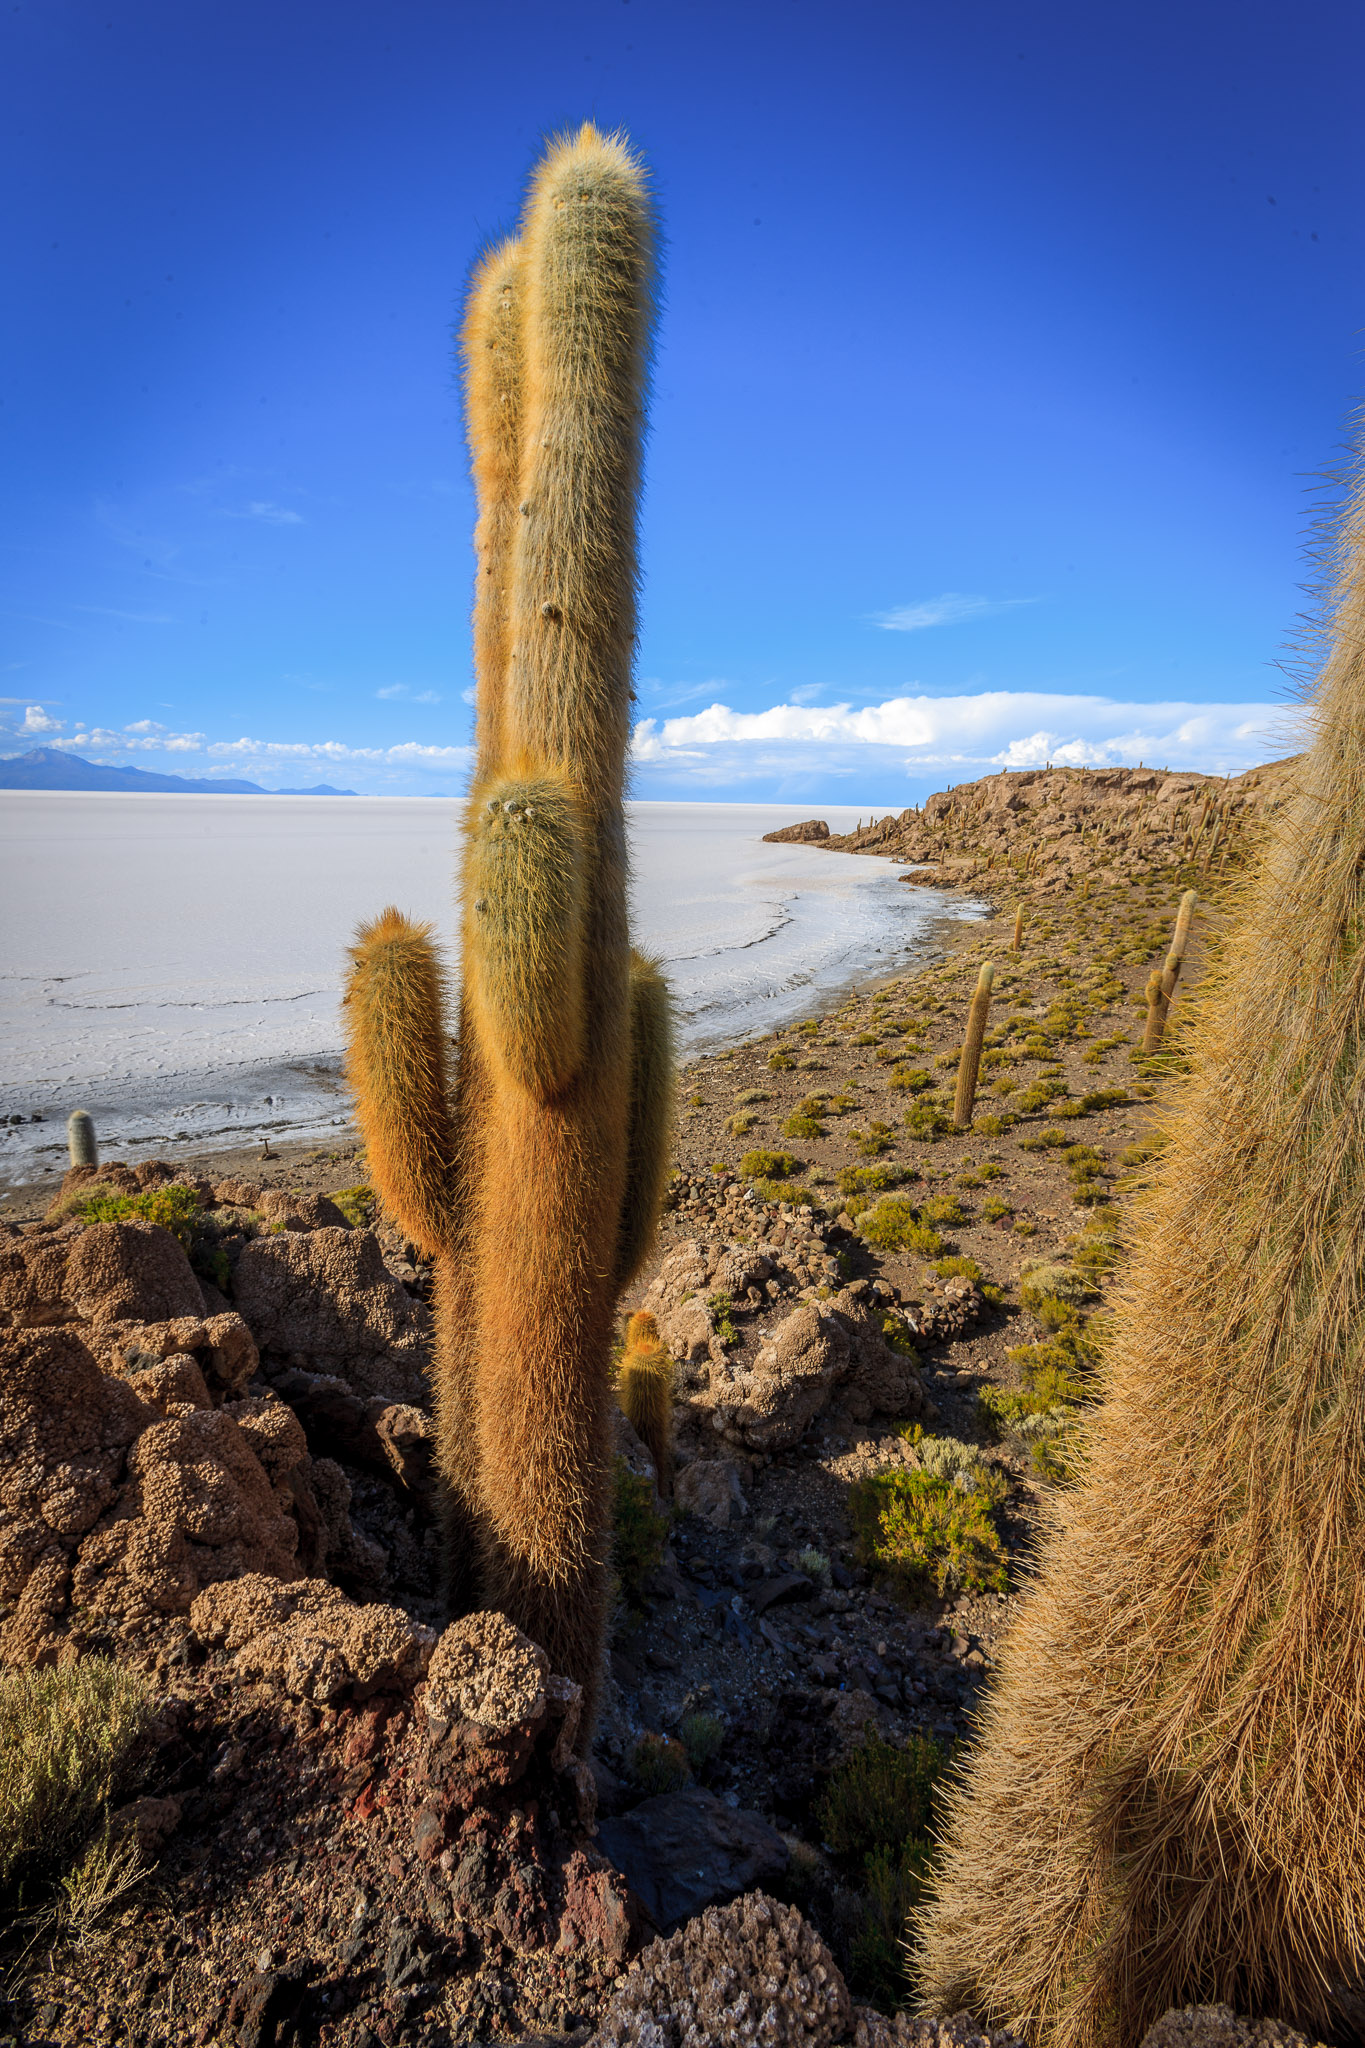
(815, 1565)
(927, 1122)
(703, 1737)
(799, 1125)
(1104, 1098)
(875, 1140)
(658, 1764)
(857, 1180)
(741, 1123)
(175, 1207)
(993, 1126)
(994, 1208)
(898, 1334)
(722, 1312)
(768, 1165)
(931, 1534)
(639, 1532)
(1054, 1283)
(893, 1225)
(1038, 1095)
(357, 1205)
(881, 1796)
(942, 1209)
(783, 1191)
(868, 1038)
(911, 1080)
(67, 1739)
(751, 1095)
(780, 1062)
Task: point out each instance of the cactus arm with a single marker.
(394, 1015)
(969, 1066)
(652, 1083)
(644, 1388)
(491, 346)
(524, 887)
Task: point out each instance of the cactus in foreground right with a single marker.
(80, 1139)
(644, 1387)
(969, 1066)
(1165, 1805)
(538, 1181)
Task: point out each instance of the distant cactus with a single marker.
(969, 1066)
(644, 1386)
(80, 1139)
(1161, 984)
(1165, 1804)
(1016, 941)
(539, 1185)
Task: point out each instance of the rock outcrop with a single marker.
(819, 1349)
(325, 1303)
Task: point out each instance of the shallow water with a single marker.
(173, 964)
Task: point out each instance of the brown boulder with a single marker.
(301, 1212)
(810, 832)
(130, 1271)
(324, 1301)
(33, 1279)
(222, 1346)
(1217, 2026)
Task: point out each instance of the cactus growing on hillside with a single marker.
(538, 1182)
(644, 1386)
(969, 1066)
(1167, 1805)
(82, 1149)
(1161, 982)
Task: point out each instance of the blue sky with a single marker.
(999, 349)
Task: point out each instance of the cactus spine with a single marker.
(969, 1066)
(556, 1140)
(1167, 1806)
(80, 1139)
(644, 1387)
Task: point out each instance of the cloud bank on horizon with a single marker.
(894, 750)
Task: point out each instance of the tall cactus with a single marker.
(1167, 1805)
(556, 1134)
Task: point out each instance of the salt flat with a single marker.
(174, 963)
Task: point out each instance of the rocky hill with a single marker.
(1049, 827)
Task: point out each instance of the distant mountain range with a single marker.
(50, 768)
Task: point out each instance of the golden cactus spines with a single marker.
(649, 1128)
(644, 1387)
(969, 1066)
(1156, 1013)
(394, 1018)
(492, 348)
(1166, 1805)
(1017, 939)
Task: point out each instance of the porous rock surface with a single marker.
(819, 1347)
(324, 1301)
(1217, 2026)
(753, 1971)
(310, 1639)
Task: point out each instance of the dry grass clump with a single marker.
(66, 1738)
(1168, 1805)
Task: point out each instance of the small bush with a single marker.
(67, 1738)
(942, 1209)
(993, 1126)
(893, 1886)
(658, 1764)
(893, 1225)
(741, 1123)
(868, 1038)
(815, 1565)
(880, 1795)
(1038, 1095)
(751, 1095)
(357, 1205)
(768, 1165)
(703, 1737)
(799, 1125)
(994, 1208)
(780, 1062)
(722, 1312)
(174, 1207)
(1104, 1098)
(638, 1535)
(927, 1122)
(929, 1533)
(875, 1140)
(1055, 1283)
(912, 1080)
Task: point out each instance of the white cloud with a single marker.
(391, 690)
(267, 510)
(953, 608)
(979, 733)
(36, 720)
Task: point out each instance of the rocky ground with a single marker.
(215, 1464)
